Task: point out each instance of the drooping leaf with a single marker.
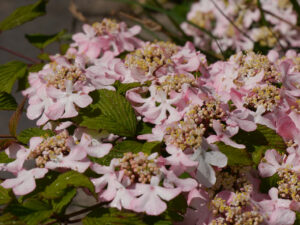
(5, 196)
(119, 150)
(43, 40)
(25, 135)
(24, 14)
(7, 101)
(111, 216)
(60, 204)
(14, 119)
(4, 158)
(117, 115)
(9, 73)
(268, 182)
(69, 179)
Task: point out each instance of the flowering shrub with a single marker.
(155, 131)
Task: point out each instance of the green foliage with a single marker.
(117, 116)
(31, 216)
(112, 216)
(118, 151)
(297, 221)
(123, 88)
(24, 14)
(235, 156)
(23, 81)
(41, 41)
(268, 182)
(4, 158)
(7, 102)
(4, 143)
(256, 142)
(9, 73)
(68, 179)
(25, 135)
(144, 128)
(60, 204)
(10, 219)
(5, 195)
(150, 147)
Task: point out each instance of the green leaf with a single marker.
(44, 57)
(150, 147)
(176, 208)
(7, 102)
(235, 156)
(14, 119)
(4, 143)
(36, 204)
(23, 81)
(118, 151)
(41, 41)
(117, 115)
(144, 128)
(60, 204)
(24, 14)
(5, 195)
(268, 182)
(29, 216)
(123, 88)
(10, 219)
(4, 158)
(9, 73)
(25, 135)
(65, 180)
(297, 221)
(112, 216)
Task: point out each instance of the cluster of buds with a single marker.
(239, 211)
(175, 82)
(207, 112)
(151, 56)
(289, 184)
(51, 149)
(107, 26)
(62, 74)
(267, 96)
(139, 167)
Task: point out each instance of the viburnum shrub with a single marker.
(157, 131)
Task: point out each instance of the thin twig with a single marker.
(282, 19)
(76, 13)
(18, 55)
(232, 23)
(85, 210)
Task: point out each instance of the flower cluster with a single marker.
(197, 118)
(237, 25)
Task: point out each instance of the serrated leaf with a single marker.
(7, 102)
(69, 179)
(5, 196)
(117, 115)
(25, 135)
(119, 150)
(268, 182)
(9, 73)
(235, 156)
(4, 158)
(112, 216)
(42, 40)
(59, 205)
(24, 14)
(14, 119)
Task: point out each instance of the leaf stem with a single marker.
(18, 55)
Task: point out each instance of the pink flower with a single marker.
(24, 183)
(277, 210)
(178, 158)
(223, 135)
(150, 197)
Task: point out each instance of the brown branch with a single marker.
(19, 55)
(76, 13)
(7, 136)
